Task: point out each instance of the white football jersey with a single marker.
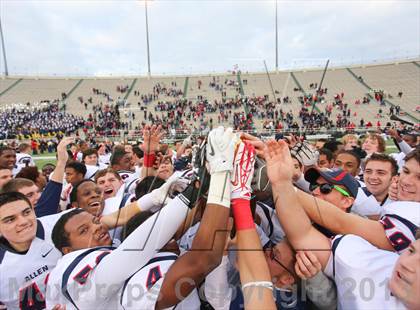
(401, 220)
(23, 276)
(91, 170)
(70, 282)
(129, 178)
(270, 222)
(361, 272)
(92, 278)
(142, 289)
(23, 160)
(104, 159)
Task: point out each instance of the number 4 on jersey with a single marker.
(154, 275)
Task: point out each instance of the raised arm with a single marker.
(207, 249)
(49, 201)
(150, 145)
(62, 157)
(296, 224)
(255, 276)
(325, 214)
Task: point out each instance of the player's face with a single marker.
(411, 141)
(72, 176)
(334, 197)
(47, 170)
(280, 260)
(32, 193)
(348, 163)
(86, 231)
(409, 182)
(8, 159)
(126, 162)
(323, 162)
(297, 171)
(370, 146)
(166, 169)
(91, 159)
(405, 279)
(319, 145)
(89, 198)
(378, 177)
(109, 184)
(351, 143)
(5, 176)
(18, 224)
(102, 149)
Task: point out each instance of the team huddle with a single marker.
(224, 221)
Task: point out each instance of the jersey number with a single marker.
(31, 298)
(153, 276)
(398, 240)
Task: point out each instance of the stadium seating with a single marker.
(391, 78)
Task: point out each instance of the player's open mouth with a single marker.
(108, 191)
(103, 236)
(95, 204)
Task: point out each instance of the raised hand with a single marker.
(151, 138)
(256, 142)
(62, 154)
(220, 149)
(279, 162)
(243, 170)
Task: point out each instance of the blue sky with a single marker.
(109, 37)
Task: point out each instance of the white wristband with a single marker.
(265, 284)
(219, 189)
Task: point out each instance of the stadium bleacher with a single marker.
(355, 83)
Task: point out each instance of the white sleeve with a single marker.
(140, 246)
(404, 147)
(365, 205)
(216, 287)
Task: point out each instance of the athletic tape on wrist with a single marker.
(265, 284)
(149, 160)
(242, 214)
(219, 190)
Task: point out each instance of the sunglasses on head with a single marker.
(327, 188)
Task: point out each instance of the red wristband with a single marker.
(242, 214)
(149, 160)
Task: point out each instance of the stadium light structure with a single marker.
(6, 71)
(147, 40)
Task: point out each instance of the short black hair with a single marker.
(352, 153)
(332, 145)
(138, 151)
(4, 148)
(133, 223)
(9, 197)
(147, 185)
(117, 155)
(59, 236)
(327, 153)
(77, 166)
